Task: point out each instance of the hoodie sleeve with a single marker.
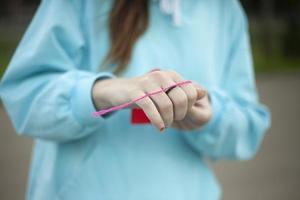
(239, 121)
(46, 89)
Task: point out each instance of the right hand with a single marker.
(161, 109)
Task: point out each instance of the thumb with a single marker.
(201, 93)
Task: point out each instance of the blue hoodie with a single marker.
(46, 91)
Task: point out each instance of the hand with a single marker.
(161, 109)
(197, 116)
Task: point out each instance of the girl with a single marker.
(81, 56)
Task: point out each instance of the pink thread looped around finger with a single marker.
(119, 107)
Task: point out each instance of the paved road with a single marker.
(274, 174)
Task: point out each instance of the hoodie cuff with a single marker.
(217, 100)
(82, 102)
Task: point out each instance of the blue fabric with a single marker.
(47, 93)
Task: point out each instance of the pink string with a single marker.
(119, 107)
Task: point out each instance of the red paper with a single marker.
(139, 117)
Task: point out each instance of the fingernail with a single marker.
(162, 129)
(201, 94)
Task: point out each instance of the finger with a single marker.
(189, 124)
(200, 91)
(177, 126)
(182, 125)
(151, 112)
(188, 89)
(162, 103)
(179, 101)
(201, 112)
(203, 102)
(177, 96)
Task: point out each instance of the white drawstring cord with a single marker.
(172, 7)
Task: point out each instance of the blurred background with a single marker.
(273, 174)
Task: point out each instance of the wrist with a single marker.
(100, 95)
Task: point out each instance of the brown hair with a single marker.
(128, 21)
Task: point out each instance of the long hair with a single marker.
(128, 20)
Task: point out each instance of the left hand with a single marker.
(198, 115)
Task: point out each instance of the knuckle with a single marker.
(144, 81)
(157, 75)
(173, 73)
